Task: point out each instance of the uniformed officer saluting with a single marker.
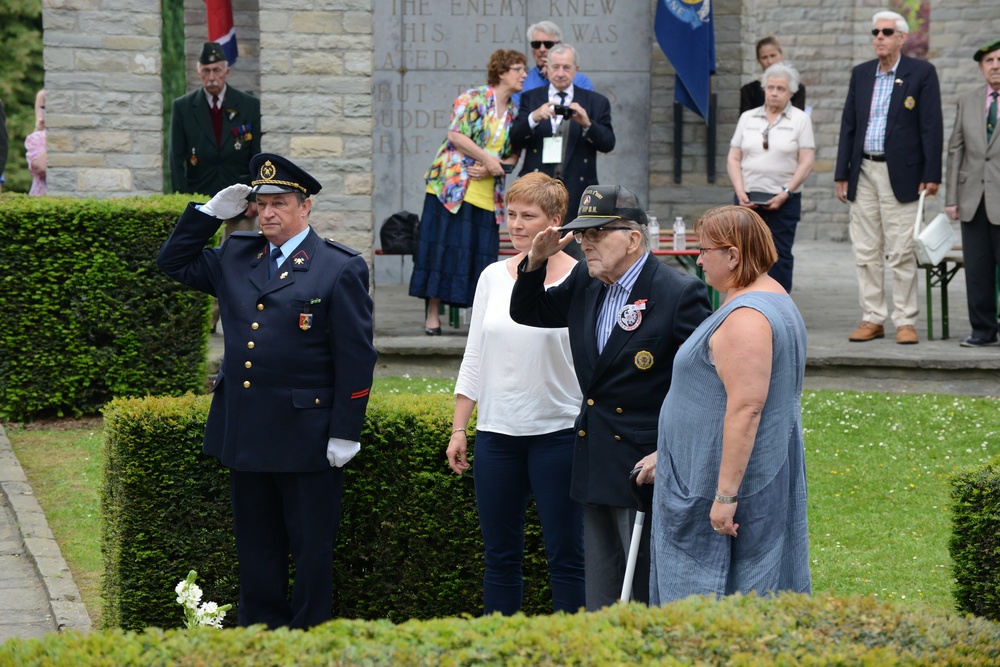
(290, 397)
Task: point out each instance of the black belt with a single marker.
(874, 157)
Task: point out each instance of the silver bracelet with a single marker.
(725, 500)
(457, 430)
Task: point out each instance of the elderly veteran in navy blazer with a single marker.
(561, 127)
(290, 397)
(891, 137)
(627, 315)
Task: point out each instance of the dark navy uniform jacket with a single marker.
(624, 386)
(299, 356)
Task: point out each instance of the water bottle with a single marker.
(654, 231)
(680, 242)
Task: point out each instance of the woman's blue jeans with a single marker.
(507, 469)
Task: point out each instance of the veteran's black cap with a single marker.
(211, 53)
(601, 204)
(985, 49)
(272, 174)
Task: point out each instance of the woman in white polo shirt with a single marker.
(770, 156)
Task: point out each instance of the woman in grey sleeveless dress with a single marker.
(729, 504)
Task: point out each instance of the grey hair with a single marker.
(548, 27)
(901, 24)
(647, 238)
(562, 48)
(781, 70)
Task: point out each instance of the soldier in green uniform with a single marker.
(214, 131)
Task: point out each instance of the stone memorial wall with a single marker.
(427, 52)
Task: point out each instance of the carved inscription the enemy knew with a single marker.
(427, 52)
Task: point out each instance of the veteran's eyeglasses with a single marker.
(537, 44)
(888, 32)
(594, 233)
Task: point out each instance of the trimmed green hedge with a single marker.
(791, 629)
(975, 540)
(409, 544)
(85, 314)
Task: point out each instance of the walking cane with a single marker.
(643, 496)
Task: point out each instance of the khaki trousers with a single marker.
(882, 229)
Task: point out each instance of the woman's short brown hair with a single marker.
(500, 62)
(548, 193)
(741, 228)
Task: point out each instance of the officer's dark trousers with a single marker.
(981, 248)
(276, 514)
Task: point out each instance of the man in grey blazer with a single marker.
(973, 194)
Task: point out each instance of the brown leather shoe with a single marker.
(907, 335)
(867, 331)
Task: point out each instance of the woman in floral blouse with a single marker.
(463, 207)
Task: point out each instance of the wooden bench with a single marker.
(940, 275)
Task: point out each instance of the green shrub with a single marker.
(409, 544)
(791, 629)
(85, 314)
(975, 539)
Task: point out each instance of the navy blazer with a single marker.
(299, 356)
(914, 133)
(580, 168)
(623, 386)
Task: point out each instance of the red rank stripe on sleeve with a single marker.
(360, 394)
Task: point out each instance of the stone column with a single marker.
(316, 77)
(103, 99)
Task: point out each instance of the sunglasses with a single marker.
(888, 32)
(538, 44)
(594, 233)
(764, 135)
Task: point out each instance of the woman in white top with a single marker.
(770, 157)
(524, 382)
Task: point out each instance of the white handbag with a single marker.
(934, 241)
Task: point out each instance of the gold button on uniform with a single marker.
(260, 306)
(581, 433)
(590, 401)
(248, 364)
(255, 326)
(250, 345)
(618, 437)
(317, 401)
(619, 410)
(246, 384)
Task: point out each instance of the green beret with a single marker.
(985, 49)
(211, 53)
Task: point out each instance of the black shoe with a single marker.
(976, 341)
(436, 331)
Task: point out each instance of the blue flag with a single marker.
(686, 36)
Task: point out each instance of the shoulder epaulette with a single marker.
(344, 248)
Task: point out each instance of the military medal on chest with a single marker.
(306, 317)
(236, 144)
(194, 158)
(630, 316)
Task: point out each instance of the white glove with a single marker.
(229, 203)
(339, 452)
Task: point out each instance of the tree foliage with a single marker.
(22, 75)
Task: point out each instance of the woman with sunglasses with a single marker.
(770, 156)
(729, 503)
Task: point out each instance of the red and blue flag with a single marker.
(221, 28)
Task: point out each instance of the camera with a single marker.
(507, 168)
(562, 110)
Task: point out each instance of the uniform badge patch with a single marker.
(643, 360)
(629, 317)
(909, 102)
(305, 321)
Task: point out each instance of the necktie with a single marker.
(991, 117)
(215, 102)
(273, 266)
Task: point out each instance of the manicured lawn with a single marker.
(878, 467)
